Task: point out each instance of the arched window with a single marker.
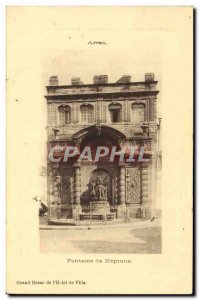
(87, 113)
(65, 114)
(115, 112)
(138, 112)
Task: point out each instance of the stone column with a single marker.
(154, 185)
(121, 211)
(122, 186)
(77, 183)
(55, 197)
(77, 191)
(145, 183)
(145, 207)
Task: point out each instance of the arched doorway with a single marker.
(94, 141)
(94, 136)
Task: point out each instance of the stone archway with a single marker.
(93, 137)
(98, 130)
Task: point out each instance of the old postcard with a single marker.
(99, 150)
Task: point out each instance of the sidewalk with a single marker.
(135, 223)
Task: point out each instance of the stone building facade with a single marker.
(121, 115)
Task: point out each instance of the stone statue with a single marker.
(93, 189)
(98, 190)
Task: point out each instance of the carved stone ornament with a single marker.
(98, 190)
(133, 185)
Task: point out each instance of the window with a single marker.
(87, 113)
(138, 112)
(65, 114)
(115, 113)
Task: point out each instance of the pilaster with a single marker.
(121, 210)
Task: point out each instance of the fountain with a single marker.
(98, 197)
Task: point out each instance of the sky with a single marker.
(125, 52)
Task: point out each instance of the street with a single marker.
(122, 238)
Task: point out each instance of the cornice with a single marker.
(104, 96)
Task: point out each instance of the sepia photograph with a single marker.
(103, 165)
(99, 123)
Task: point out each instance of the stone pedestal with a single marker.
(76, 211)
(55, 211)
(121, 211)
(100, 207)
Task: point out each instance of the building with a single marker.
(120, 115)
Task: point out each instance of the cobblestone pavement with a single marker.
(142, 237)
